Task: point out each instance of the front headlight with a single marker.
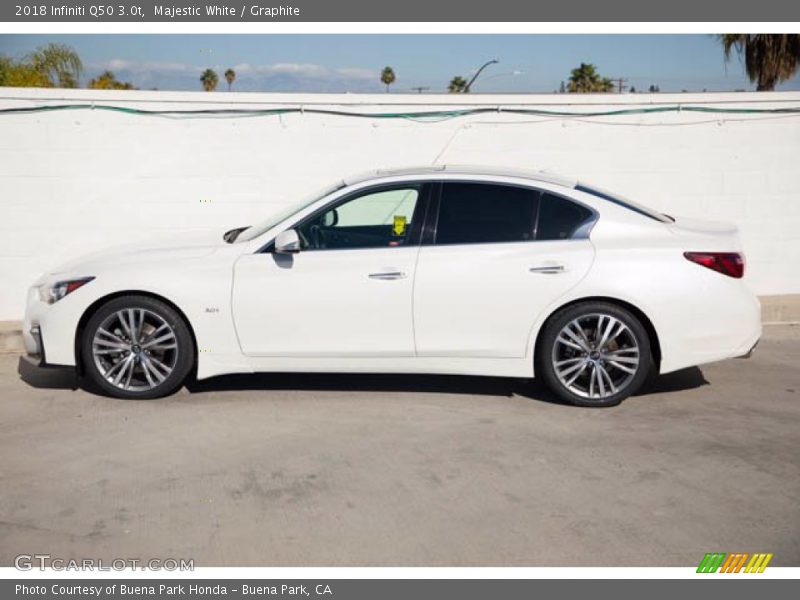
(51, 293)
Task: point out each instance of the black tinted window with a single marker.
(559, 218)
(474, 213)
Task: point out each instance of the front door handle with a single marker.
(548, 269)
(388, 275)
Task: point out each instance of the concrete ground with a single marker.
(407, 471)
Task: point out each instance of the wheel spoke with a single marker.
(581, 332)
(117, 368)
(580, 340)
(146, 370)
(108, 334)
(622, 367)
(125, 326)
(570, 344)
(155, 332)
(600, 382)
(623, 359)
(605, 375)
(161, 347)
(150, 366)
(157, 363)
(117, 345)
(169, 336)
(131, 367)
(576, 374)
(569, 361)
(606, 336)
(564, 372)
(121, 373)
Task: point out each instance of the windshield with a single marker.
(256, 230)
(624, 202)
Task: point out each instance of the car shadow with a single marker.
(678, 381)
(51, 377)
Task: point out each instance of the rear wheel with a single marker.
(137, 347)
(594, 354)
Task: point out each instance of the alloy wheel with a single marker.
(135, 349)
(596, 356)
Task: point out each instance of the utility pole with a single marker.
(420, 89)
(621, 81)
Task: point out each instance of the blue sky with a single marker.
(339, 63)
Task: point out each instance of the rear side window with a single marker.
(478, 213)
(559, 218)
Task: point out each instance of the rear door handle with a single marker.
(388, 275)
(548, 269)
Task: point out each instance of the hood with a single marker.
(160, 247)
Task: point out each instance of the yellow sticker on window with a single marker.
(399, 227)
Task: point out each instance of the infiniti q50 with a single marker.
(436, 270)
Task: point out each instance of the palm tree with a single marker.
(57, 63)
(209, 79)
(585, 79)
(230, 77)
(108, 81)
(768, 58)
(457, 85)
(387, 77)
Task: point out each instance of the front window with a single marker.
(376, 219)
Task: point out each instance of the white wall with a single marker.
(73, 181)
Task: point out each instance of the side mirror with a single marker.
(287, 242)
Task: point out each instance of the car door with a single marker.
(348, 292)
(496, 256)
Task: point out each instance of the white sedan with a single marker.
(433, 270)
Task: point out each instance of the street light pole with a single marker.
(474, 77)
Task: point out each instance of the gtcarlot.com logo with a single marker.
(737, 562)
(28, 562)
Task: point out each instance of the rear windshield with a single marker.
(625, 203)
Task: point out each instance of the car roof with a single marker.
(430, 172)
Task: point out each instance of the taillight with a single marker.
(727, 263)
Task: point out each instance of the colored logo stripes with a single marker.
(734, 563)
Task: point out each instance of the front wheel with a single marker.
(594, 354)
(137, 347)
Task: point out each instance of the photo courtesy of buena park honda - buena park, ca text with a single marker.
(352, 300)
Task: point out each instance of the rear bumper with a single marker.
(722, 320)
(752, 349)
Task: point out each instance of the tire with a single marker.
(136, 347)
(581, 371)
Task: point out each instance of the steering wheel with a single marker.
(317, 236)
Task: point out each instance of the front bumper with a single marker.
(48, 330)
(34, 344)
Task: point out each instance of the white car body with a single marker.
(471, 309)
